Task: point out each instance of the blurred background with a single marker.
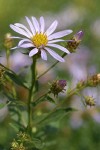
(79, 130)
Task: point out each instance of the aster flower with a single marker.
(38, 40)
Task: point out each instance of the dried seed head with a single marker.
(58, 86)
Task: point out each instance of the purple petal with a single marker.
(42, 24)
(14, 48)
(15, 37)
(59, 47)
(54, 54)
(43, 54)
(31, 25)
(33, 52)
(52, 28)
(22, 26)
(36, 24)
(24, 40)
(18, 30)
(55, 41)
(59, 34)
(28, 45)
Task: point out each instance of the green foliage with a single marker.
(30, 119)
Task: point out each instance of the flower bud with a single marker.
(80, 84)
(75, 41)
(94, 80)
(8, 43)
(23, 136)
(14, 145)
(58, 86)
(2, 72)
(78, 36)
(89, 101)
(98, 77)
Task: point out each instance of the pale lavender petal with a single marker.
(42, 24)
(59, 47)
(15, 37)
(36, 24)
(22, 26)
(43, 54)
(55, 41)
(14, 47)
(59, 34)
(54, 54)
(33, 52)
(18, 30)
(52, 28)
(28, 45)
(31, 25)
(24, 40)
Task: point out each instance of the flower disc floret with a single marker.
(40, 40)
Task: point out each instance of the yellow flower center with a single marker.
(39, 39)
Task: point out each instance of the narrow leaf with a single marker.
(18, 80)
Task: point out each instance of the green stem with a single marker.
(33, 71)
(63, 55)
(7, 57)
(38, 100)
(8, 67)
(71, 93)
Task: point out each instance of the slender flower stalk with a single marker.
(33, 71)
(8, 45)
(40, 41)
(63, 55)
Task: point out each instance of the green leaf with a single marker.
(50, 99)
(15, 78)
(38, 143)
(16, 125)
(56, 115)
(35, 143)
(2, 105)
(44, 98)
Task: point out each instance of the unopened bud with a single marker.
(8, 43)
(80, 84)
(98, 77)
(58, 86)
(94, 80)
(2, 72)
(14, 145)
(89, 101)
(23, 136)
(78, 36)
(75, 41)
